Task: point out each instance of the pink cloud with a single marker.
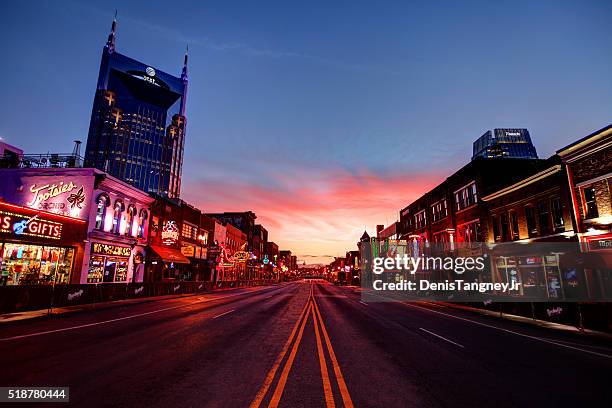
(315, 212)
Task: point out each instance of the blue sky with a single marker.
(286, 96)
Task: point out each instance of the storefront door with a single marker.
(109, 270)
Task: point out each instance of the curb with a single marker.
(43, 314)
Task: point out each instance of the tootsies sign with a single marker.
(24, 224)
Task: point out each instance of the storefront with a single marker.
(108, 263)
(166, 264)
(38, 247)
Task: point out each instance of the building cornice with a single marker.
(523, 183)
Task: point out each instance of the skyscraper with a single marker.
(505, 143)
(137, 128)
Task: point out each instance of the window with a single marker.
(131, 214)
(142, 221)
(469, 233)
(103, 201)
(514, 225)
(532, 228)
(505, 227)
(466, 196)
(496, 235)
(557, 214)
(118, 210)
(590, 205)
(189, 231)
(439, 210)
(420, 219)
(544, 217)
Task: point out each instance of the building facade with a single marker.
(589, 172)
(137, 127)
(505, 143)
(115, 214)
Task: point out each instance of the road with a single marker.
(303, 344)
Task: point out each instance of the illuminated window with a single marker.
(131, 214)
(590, 205)
(103, 201)
(466, 196)
(557, 214)
(439, 210)
(514, 225)
(117, 211)
(532, 228)
(142, 220)
(420, 219)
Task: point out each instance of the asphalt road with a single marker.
(304, 344)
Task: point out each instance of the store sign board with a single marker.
(169, 233)
(597, 245)
(20, 225)
(62, 193)
(188, 250)
(107, 249)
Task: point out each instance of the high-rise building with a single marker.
(137, 128)
(505, 143)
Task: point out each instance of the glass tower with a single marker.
(505, 143)
(137, 127)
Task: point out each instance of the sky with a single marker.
(325, 118)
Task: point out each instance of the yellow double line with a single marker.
(310, 307)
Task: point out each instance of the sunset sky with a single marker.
(325, 119)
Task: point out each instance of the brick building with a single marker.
(589, 171)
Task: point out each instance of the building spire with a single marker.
(110, 43)
(184, 73)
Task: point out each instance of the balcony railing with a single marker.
(48, 160)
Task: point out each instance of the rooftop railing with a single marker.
(48, 160)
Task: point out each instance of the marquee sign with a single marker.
(107, 249)
(18, 225)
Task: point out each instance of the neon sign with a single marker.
(169, 233)
(17, 224)
(42, 194)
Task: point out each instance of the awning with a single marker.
(169, 254)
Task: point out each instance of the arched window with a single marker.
(117, 211)
(142, 222)
(102, 202)
(129, 221)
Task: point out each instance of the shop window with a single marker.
(117, 213)
(532, 228)
(557, 214)
(102, 202)
(514, 225)
(129, 222)
(142, 220)
(544, 217)
(23, 264)
(590, 205)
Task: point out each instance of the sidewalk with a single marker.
(59, 311)
(526, 320)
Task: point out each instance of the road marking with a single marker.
(441, 337)
(346, 397)
(82, 326)
(363, 303)
(223, 314)
(329, 396)
(270, 377)
(512, 332)
(282, 381)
